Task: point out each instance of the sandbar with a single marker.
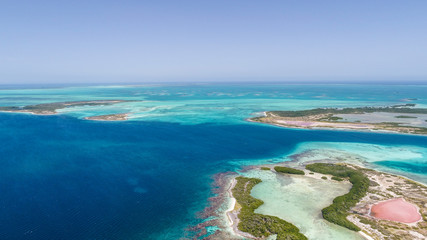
(109, 117)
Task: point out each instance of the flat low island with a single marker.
(52, 109)
(398, 118)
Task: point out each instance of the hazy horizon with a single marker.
(106, 42)
(6, 86)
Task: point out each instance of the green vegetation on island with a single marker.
(259, 225)
(335, 118)
(337, 179)
(324, 178)
(109, 117)
(404, 116)
(50, 108)
(331, 118)
(265, 168)
(288, 170)
(392, 109)
(338, 210)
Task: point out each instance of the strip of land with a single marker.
(51, 109)
(397, 118)
(109, 117)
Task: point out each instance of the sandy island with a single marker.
(109, 117)
(51, 109)
(388, 119)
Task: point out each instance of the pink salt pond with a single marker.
(397, 210)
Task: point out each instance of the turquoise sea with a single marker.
(63, 177)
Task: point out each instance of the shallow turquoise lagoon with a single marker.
(202, 103)
(300, 200)
(402, 159)
(67, 178)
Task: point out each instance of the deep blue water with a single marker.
(65, 178)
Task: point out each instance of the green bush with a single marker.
(406, 108)
(265, 168)
(260, 225)
(324, 178)
(337, 179)
(338, 210)
(288, 170)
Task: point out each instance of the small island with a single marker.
(51, 109)
(288, 170)
(109, 117)
(398, 118)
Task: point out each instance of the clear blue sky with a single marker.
(127, 41)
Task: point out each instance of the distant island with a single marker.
(398, 118)
(109, 117)
(51, 109)
(378, 205)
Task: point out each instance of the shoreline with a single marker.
(233, 202)
(362, 208)
(120, 117)
(28, 112)
(109, 117)
(336, 129)
(47, 109)
(231, 215)
(382, 119)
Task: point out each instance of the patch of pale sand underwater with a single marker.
(365, 154)
(299, 200)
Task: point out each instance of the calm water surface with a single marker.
(67, 178)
